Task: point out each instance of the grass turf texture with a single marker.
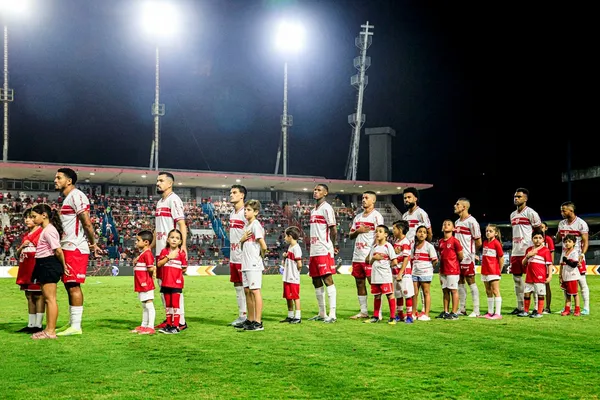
(552, 357)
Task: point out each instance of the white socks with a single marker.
(181, 310)
(462, 297)
(144, 316)
(362, 301)
(498, 309)
(151, 312)
(320, 293)
(241, 300)
(519, 291)
(76, 314)
(31, 322)
(332, 294)
(490, 301)
(585, 292)
(298, 314)
(475, 297)
(39, 317)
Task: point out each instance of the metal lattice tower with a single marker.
(158, 110)
(359, 81)
(286, 121)
(6, 96)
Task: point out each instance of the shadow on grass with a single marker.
(12, 327)
(117, 323)
(207, 321)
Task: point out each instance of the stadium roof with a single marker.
(204, 179)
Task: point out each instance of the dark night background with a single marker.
(484, 96)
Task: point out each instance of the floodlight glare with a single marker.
(290, 36)
(14, 6)
(160, 18)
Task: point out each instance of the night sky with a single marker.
(484, 96)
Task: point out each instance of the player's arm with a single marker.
(429, 234)
(403, 267)
(153, 244)
(183, 229)
(548, 273)
(163, 260)
(299, 264)
(435, 262)
(88, 228)
(333, 235)
(460, 255)
(61, 257)
(478, 244)
(584, 245)
(263, 247)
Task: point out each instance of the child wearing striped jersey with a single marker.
(143, 272)
(292, 265)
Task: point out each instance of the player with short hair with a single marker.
(169, 215)
(363, 230)
(468, 234)
(292, 265)
(523, 221)
(383, 258)
(404, 290)
(549, 241)
(237, 223)
(573, 225)
(451, 254)
(143, 284)
(77, 241)
(323, 246)
(538, 265)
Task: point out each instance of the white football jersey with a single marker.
(569, 273)
(467, 231)
(417, 218)
(381, 271)
(364, 241)
(251, 259)
(73, 236)
(321, 218)
(422, 260)
(168, 212)
(577, 228)
(237, 223)
(290, 266)
(522, 227)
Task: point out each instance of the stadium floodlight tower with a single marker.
(289, 40)
(8, 8)
(359, 81)
(160, 22)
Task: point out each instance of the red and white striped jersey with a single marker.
(415, 219)
(522, 227)
(467, 231)
(172, 271)
(168, 212)
(381, 271)
(321, 218)
(364, 241)
(569, 273)
(73, 236)
(142, 280)
(576, 228)
(490, 260)
(405, 246)
(422, 260)
(290, 265)
(537, 265)
(237, 223)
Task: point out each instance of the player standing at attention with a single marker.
(569, 274)
(323, 246)
(292, 265)
(573, 225)
(451, 254)
(423, 260)
(237, 223)
(253, 252)
(549, 240)
(33, 293)
(468, 234)
(414, 214)
(169, 215)
(538, 266)
(492, 261)
(382, 257)
(75, 219)
(363, 230)
(523, 220)
(404, 290)
(143, 284)
(172, 263)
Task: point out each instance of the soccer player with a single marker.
(573, 225)
(423, 260)
(569, 274)
(143, 284)
(363, 230)
(172, 262)
(75, 219)
(237, 223)
(523, 220)
(538, 266)
(323, 247)
(468, 234)
(382, 257)
(415, 215)
(33, 292)
(292, 266)
(402, 273)
(492, 261)
(550, 244)
(253, 251)
(451, 254)
(169, 215)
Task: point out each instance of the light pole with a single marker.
(8, 7)
(290, 38)
(159, 23)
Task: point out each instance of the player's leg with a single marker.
(529, 288)
(585, 294)
(30, 312)
(462, 294)
(290, 308)
(235, 276)
(49, 293)
(40, 308)
(416, 289)
(376, 292)
(426, 286)
(516, 268)
(470, 279)
(298, 312)
(547, 309)
(489, 295)
(408, 292)
(359, 274)
(332, 296)
(446, 302)
(399, 298)
(576, 300)
(391, 303)
(454, 296)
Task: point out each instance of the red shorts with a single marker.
(321, 266)
(30, 287)
(516, 265)
(583, 268)
(361, 270)
(467, 269)
(382, 288)
(77, 263)
(235, 272)
(291, 291)
(570, 287)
